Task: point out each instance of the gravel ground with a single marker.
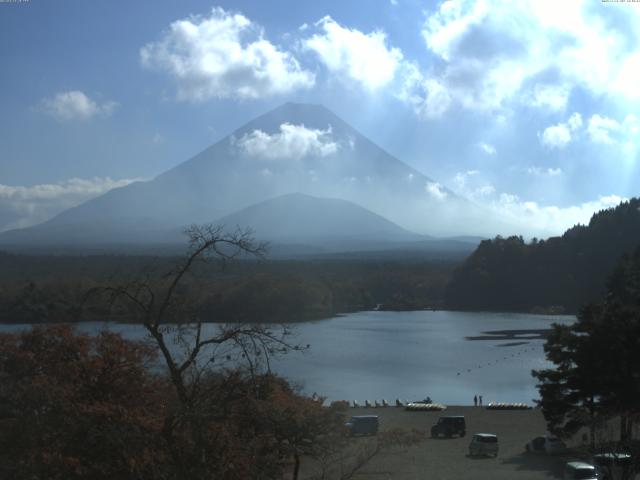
(445, 459)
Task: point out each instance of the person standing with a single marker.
(480, 400)
(475, 400)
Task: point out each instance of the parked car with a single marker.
(483, 444)
(580, 471)
(547, 444)
(449, 426)
(362, 425)
(613, 466)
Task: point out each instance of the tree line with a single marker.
(46, 289)
(557, 275)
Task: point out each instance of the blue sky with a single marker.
(529, 108)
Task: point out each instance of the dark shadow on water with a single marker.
(512, 344)
(524, 334)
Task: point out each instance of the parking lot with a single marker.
(446, 459)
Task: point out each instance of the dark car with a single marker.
(613, 465)
(362, 425)
(449, 426)
(548, 444)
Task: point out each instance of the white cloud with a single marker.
(529, 216)
(542, 172)
(224, 55)
(436, 191)
(76, 105)
(550, 97)
(485, 191)
(575, 121)
(558, 136)
(363, 57)
(428, 97)
(534, 52)
(293, 142)
(487, 148)
(22, 206)
(471, 185)
(549, 219)
(600, 129)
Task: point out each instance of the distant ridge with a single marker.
(296, 217)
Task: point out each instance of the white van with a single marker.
(580, 471)
(483, 444)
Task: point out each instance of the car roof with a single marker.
(580, 465)
(453, 416)
(612, 455)
(485, 434)
(365, 416)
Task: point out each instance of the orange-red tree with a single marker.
(75, 406)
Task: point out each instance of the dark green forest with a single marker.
(557, 275)
(43, 289)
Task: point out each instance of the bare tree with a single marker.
(164, 309)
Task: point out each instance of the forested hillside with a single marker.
(43, 289)
(556, 275)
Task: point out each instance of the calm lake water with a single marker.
(409, 355)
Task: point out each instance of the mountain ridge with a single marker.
(320, 155)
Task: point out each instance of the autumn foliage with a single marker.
(74, 406)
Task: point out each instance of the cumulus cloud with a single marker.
(487, 148)
(224, 55)
(542, 172)
(471, 185)
(428, 97)
(558, 136)
(550, 219)
(293, 142)
(600, 129)
(534, 52)
(363, 57)
(549, 97)
(527, 216)
(75, 105)
(436, 191)
(22, 206)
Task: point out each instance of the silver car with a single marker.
(483, 444)
(579, 471)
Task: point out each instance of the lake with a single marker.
(449, 356)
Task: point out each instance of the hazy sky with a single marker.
(529, 108)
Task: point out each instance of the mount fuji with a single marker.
(295, 148)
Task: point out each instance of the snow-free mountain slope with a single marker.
(293, 148)
(301, 218)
